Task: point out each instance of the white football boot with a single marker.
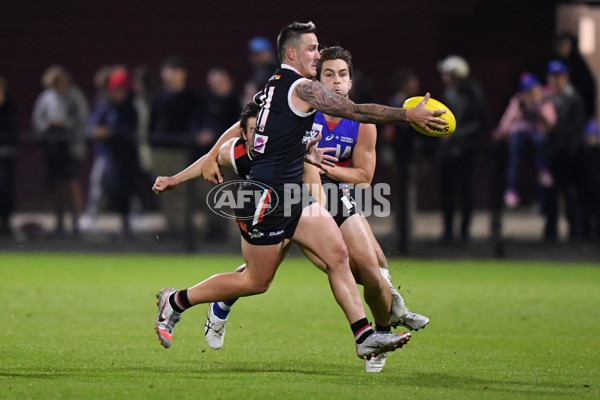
(375, 364)
(214, 329)
(400, 314)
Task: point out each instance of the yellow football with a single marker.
(433, 104)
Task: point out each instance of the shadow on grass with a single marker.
(441, 380)
(185, 370)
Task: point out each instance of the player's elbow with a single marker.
(363, 177)
(224, 151)
(367, 178)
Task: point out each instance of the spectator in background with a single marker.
(172, 117)
(220, 108)
(456, 152)
(564, 144)
(100, 80)
(8, 153)
(144, 87)
(589, 183)
(263, 62)
(529, 116)
(100, 163)
(59, 117)
(116, 130)
(567, 51)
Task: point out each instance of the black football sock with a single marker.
(361, 330)
(380, 328)
(179, 301)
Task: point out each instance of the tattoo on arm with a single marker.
(335, 105)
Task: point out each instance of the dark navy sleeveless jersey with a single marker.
(279, 141)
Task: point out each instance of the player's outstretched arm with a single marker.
(206, 166)
(165, 183)
(316, 96)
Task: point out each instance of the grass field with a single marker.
(82, 327)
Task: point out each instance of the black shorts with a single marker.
(273, 216)
(340, 201)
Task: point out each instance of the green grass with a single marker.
(82, 327)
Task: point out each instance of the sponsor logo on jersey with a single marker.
(276, 233)
(260, 142)
(329, 137)
(346, 139)
(255, 234)
(313, 133)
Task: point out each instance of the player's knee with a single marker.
(262, 288)
(341, 251)
(338, 255)
(259, 286)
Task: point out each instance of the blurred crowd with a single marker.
(141, 124)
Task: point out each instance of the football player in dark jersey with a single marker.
(354, 145)
(288, 103)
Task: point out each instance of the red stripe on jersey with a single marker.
(344, 163)
(332, 125)
(239, 150)
(242, 225)
(264, 206)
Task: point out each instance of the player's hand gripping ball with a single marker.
(433, 104)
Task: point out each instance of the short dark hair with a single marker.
(250, 110)
(334, 53)
(292, 33)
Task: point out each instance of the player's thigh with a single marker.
(312, 257)
(318, 232)
(261, 263)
